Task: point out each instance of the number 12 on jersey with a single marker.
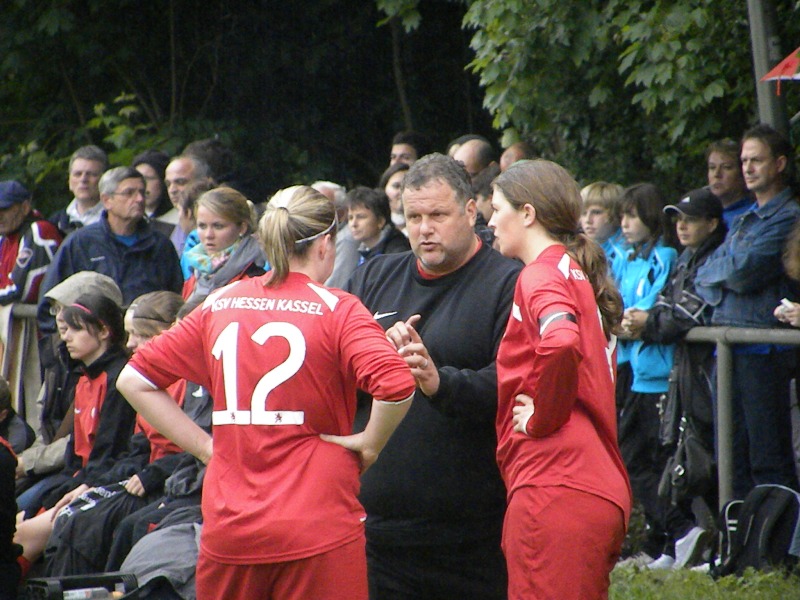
(226, 349)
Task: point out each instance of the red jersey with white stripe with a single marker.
(555, 351)
(282, 365)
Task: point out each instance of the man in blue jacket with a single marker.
(121, 245)
(744, 280)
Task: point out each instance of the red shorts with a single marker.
(560, 543)
(340, 574)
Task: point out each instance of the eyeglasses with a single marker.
(131, 193)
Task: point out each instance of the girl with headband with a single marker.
(92, 329)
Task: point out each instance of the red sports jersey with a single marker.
(161, 446)
(555, 351)
(282, 365)
(90, 394)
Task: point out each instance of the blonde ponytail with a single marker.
(294, 218)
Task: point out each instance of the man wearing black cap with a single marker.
(27, 245)
(700, 228)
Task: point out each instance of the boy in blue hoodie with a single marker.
(643, 275)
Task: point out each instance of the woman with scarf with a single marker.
(227, 251)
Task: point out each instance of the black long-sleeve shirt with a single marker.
(437, 479)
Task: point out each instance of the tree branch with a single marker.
(72, 94)
(397, 68)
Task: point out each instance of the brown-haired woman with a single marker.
(82, 535)
(568, 494)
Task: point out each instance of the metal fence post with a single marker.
(724, 422)
(765, 46)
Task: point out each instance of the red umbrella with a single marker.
(788, 68)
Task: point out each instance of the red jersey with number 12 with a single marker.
(282, 365)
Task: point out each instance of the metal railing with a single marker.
(725, 338)
(19, 364)
(24, 311)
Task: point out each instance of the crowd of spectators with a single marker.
(145, 237)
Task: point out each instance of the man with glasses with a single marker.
(122, 245)
(86, 165)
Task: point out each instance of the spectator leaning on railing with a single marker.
(744, 280)
(700, 227)
(788, 311)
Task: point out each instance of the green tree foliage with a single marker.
(300, 91)
(124, 75)
(619, 89)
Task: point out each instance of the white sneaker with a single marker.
(665, 561)
(637, 560)
(705, 567)
(689, 549)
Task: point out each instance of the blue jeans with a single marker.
(31, 499)
(762, 428)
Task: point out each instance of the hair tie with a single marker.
(83, 308)
(91, 314)
(281, 201)
(321, 233)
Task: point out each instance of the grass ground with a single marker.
(635, 584)
(640, 584)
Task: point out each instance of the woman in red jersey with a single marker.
(282, 357)
(568, 493)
